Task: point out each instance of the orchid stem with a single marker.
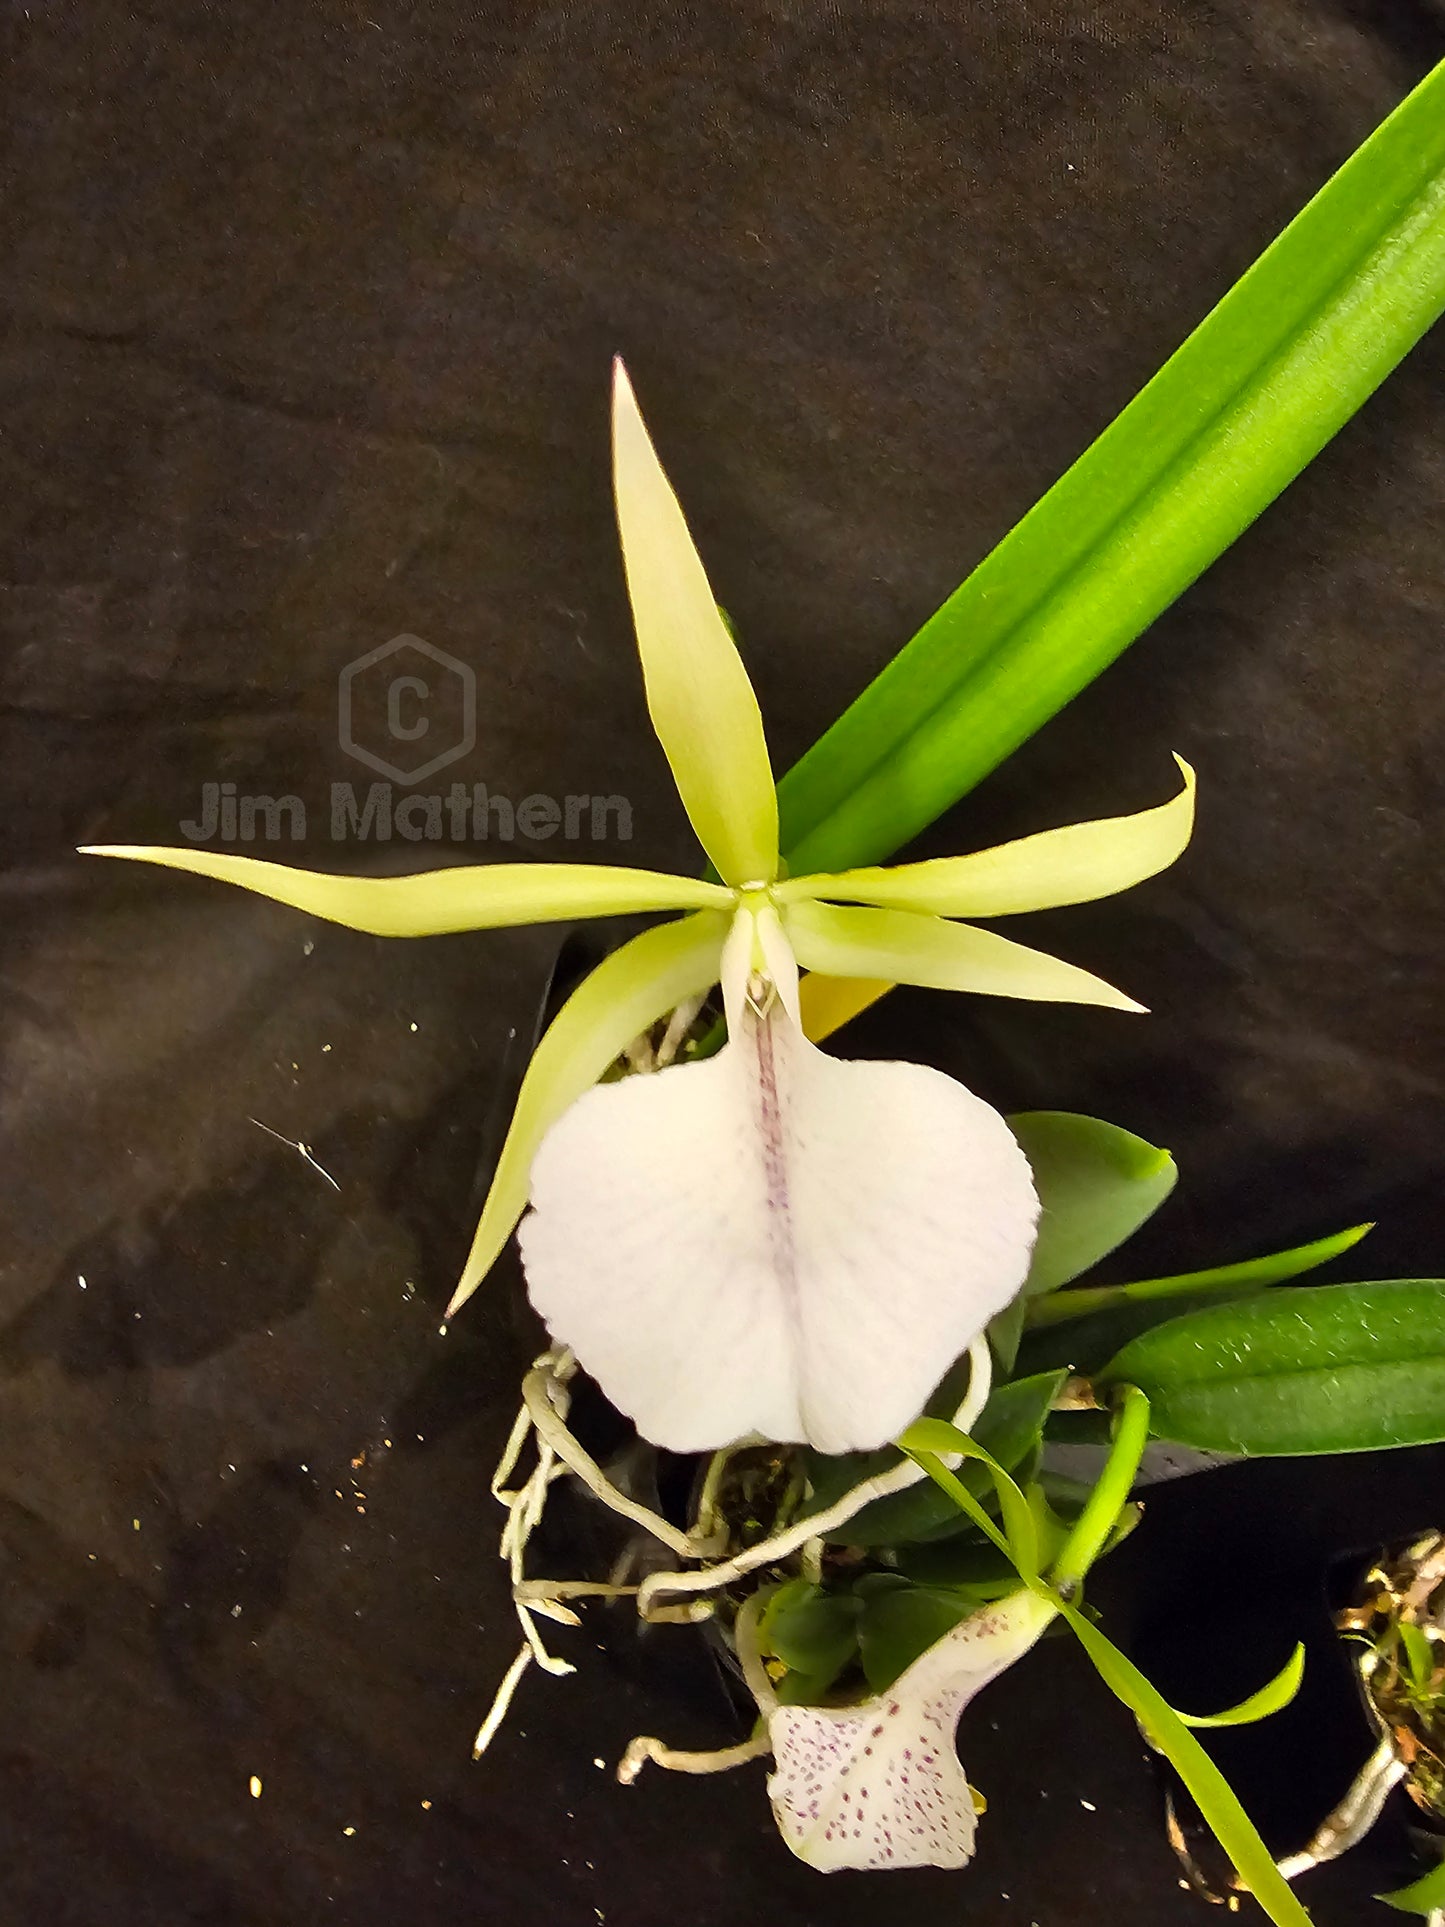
(1110, 1495)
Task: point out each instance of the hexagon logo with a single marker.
(407, 709)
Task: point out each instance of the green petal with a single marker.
(622, 997)
(1072, 865)
(910, 949)
(702, 704)
(476, 897)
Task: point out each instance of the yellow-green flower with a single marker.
(771, 1241)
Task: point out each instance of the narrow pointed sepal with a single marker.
(880, 1785)
(1076, 864)
(774, 1241)
(488, 896)
(623, 996)
(701, 702)
(907, 948)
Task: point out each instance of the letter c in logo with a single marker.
(405, 686)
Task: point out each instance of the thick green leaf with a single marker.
(960, 1564)
(1005, 1334)
(1007, 1427)
(1097, 1184)
(1423, 1896)
(1318, 1368)
(1212, 1793)
(897, 1626)
(1254, 1274)
(812, 1631)
(1087, 1345)
(805, 1689)
(873, 1583)
(1256, 391)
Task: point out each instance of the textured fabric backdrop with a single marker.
(308, 312)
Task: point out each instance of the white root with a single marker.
(491, 1725)
(545, 1401)
(540, 1392)
(645, 1749)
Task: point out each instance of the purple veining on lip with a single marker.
(771, 1124)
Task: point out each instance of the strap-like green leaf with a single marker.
(1257, 390)
(1314, 1368)
(1271, 1698)
(1074, 865)
(1254, 1274)
(702, 704)
(929, 951)
(474, 897)
(1212, 1793)
(627, 992)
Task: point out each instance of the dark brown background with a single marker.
(307, 315)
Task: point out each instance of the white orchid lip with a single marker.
(775, 1241)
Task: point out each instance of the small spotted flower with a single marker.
(880, 1785)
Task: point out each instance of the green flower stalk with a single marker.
(770, 1242)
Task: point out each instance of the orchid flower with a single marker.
(770, 1241)
(879, 1784)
